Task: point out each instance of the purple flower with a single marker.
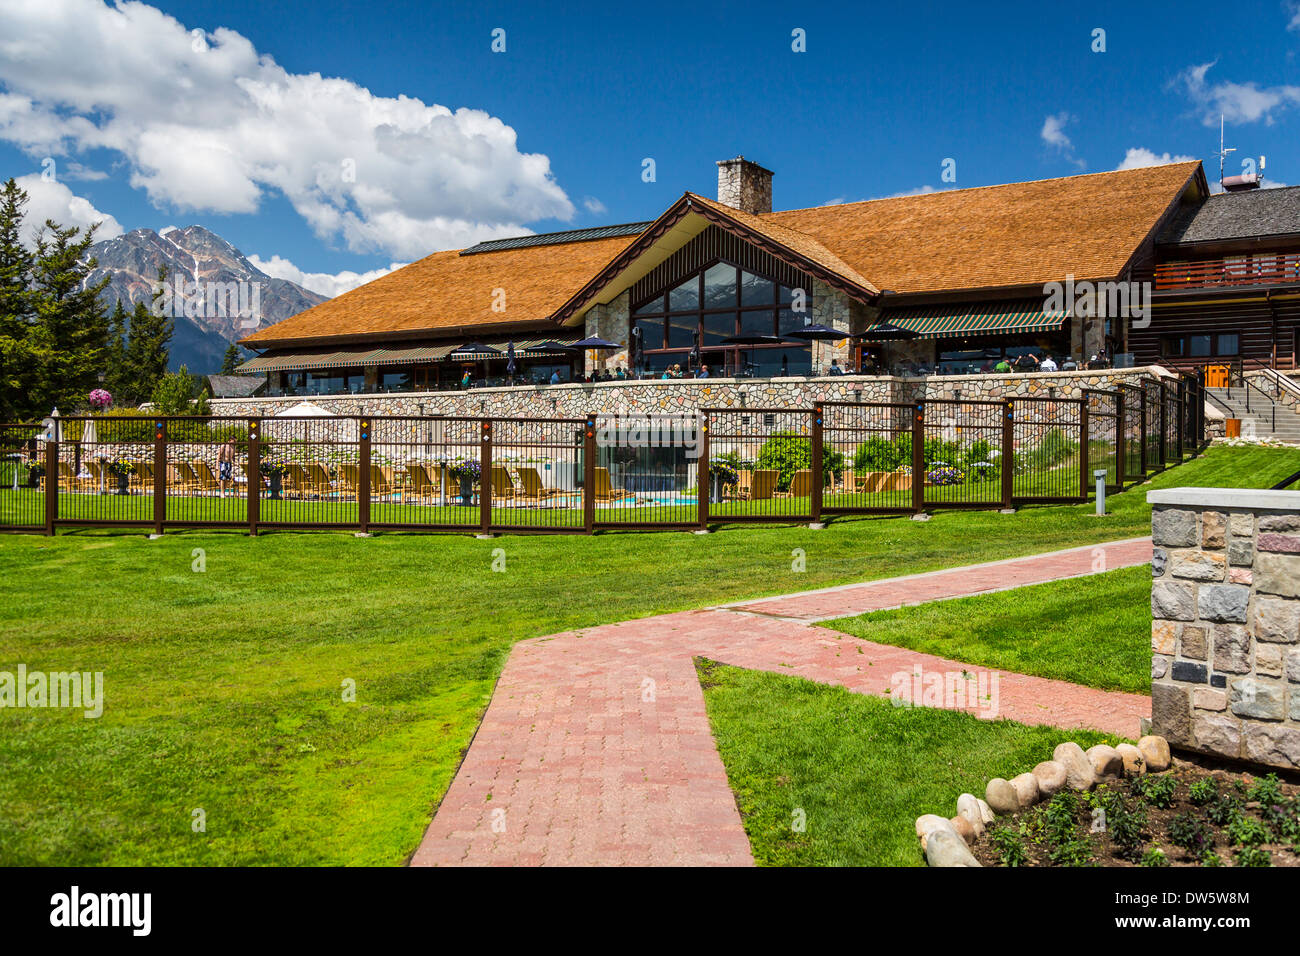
(100, 399)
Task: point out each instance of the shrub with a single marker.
(1223, 809)
(1253, 856)
(880, 454)
(1203, 791)
(1154, 857)
(1247, 831)
(1190, 832)
(1008, 843)
(1267, 791)
(789, 452)
(1157, 790)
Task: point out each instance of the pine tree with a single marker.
(16, 364)
(70, 330)
(231, 361)
(116, 374)
(147, 348)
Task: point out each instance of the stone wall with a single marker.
(1225, 629)
(685, 395)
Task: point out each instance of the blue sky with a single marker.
(153, 126)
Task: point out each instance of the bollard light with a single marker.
(1100, 475)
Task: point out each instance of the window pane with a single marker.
(1200, 345)
(755, 290)
(654, 305)
(792, 361)
(681, 331)
(1228, 343)
(1172, 345)
(720, 286)
(652, 333)
(685, 296)
(757, 323)
(787, 296)
(788, 321)
(719, 327)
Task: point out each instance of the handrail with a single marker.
(1211, 273)
(1291, 480)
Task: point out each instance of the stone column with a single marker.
(1225, 629)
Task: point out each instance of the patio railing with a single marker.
(575, 475)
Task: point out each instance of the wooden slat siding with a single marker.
(1252, 321)
(713, 243)
(1257, 269)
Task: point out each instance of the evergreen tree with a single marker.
(116, 373)
(70, 327)
(147, 347)
(15, 306)
(231, 361)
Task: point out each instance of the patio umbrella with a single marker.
(510, 357)
(90, 439)
(752, 340)
(550, 345)
(817, 333)
(597, 343)
(472, 348)
(885, 332)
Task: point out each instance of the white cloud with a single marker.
(322, 283)
(1139, 156)
(594, 206)
(1235, 102)
(1053, 134)
(49, 199)
(209, 124)
(1294, 8)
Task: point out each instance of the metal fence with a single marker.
(570, 475)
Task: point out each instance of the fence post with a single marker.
(485, 478)
(702, 473)
(1121, 441)
(1182, 415)
(1164, 425)
(589, 475)
(1142, 432)
(1008, 452)
(159, 474)
(818, 465)
(51, 482)
(254, 474)
(918, 459)
(1083, 447)
(363, 477)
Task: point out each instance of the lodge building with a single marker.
(936, 283)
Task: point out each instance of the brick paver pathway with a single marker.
(596, 748)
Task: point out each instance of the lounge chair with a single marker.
(318, 480)
(349, 479)
(207, 481)
(603, 492)
(503, 486)
(186, 481)
(422, 487)
(762, 485)
(800, 485)
(68, 479)
(296, 481)
(380, 486)
(532, 488)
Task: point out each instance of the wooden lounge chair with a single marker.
(503, 486)
(532, 488)
(186, 481)
(762, 486)
(318, 480)
(896, 481)
(349, 479)
(603, 492)
(380, 486)
(297, 482)
(144, 475)
(800, 485)
(207, 481)
(422, 487)
(68, 479)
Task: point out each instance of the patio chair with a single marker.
(762, 485)
(207, 481)
(870, 482)
(422, 486)
(602, 491)
(349, 479)
(533, 489)
(800, 485)
(318, 479)
(503, 486)
(144, 475)
(186, 481)
(896, 481)
(68, 479)
(380, 486)
(296, 481)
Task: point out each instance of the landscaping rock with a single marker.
(963, 828)
(946, 848)
(986, 812)
(1171, 712)
(1026, 788)
(1106, 761)
(1156, 751)
(1001, 796)
(928, 825)
(1051, 777)
(968, 807)
(1277, 620)
(1079, 774)
(1134, 763)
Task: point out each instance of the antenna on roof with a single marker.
(1222, 152)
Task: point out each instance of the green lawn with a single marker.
(1094, 631)
(860, 769)
(223, 687)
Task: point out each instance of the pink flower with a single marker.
(100, 399)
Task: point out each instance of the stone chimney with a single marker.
(745, 185)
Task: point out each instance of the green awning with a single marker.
(986, 318)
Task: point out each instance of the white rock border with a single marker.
(947, 842)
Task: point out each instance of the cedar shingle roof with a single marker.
(988, 237)
(447, 290)
(1243, 215)
(991, 236)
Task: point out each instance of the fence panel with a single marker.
(1173, 421)
(1046, 438)
(537, 474)
(963, 453)
(765, 456)
(869, 447)
(1103, 437)
(645, 471)
(422, 473)
(22, 501)
(105, 472)
(196, 494)
(1155, 430)
(308, 474)
(1135, 448)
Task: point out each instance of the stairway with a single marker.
(1261, 413)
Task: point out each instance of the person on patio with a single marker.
(835, 367)
(1003, 366)
(1026, 362)
(1048, 364)
(555, 377)
(466, 380)
(703, 372)
(226, 466)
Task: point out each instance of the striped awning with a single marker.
(288, 361)
(982, 318)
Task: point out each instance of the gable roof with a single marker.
(1240, 215)
(448, 291)
(995, 236)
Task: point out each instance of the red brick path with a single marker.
(596, 749)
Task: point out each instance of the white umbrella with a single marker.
(89, 441)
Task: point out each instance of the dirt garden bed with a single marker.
(1186, 816)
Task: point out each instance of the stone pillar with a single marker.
(745, 185)
(1225, 629)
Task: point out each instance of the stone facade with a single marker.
(1225, 629)
(745, 185)
(685, 395)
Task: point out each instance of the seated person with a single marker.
(555, 377)
(1048, 364)
(835, 367)
(1002, 366)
